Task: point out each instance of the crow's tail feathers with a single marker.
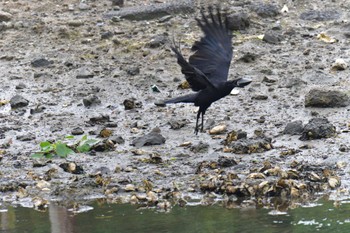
(182, 99)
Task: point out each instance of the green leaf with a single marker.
(37, 155)
(49, 155)
(69, 136)
(91, 142)
(83, 148)
(84, 138)
(46, 146)
(62, 150)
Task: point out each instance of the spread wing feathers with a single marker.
(196, 78)
(213, 53)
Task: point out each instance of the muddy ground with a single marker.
(56, 54)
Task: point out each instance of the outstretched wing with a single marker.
(196, 78)
(213, 53)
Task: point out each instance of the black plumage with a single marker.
(208, 67)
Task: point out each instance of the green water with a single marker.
(106, 218)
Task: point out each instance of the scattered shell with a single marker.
(43, 184)
(314, 177)
(234, 92)
(218, 129)
(129, 188)
(138, 152)
(325, 38)
(256, 176)
(341, 164)
(152, 197)
(339, 64)
(334, 182)
(186, 144)
(284, 9)
(40, 204)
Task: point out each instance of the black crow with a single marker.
(208, 67)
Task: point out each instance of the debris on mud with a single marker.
(153, 138)
(318, 128)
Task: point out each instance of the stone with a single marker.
(272, 37)
(119, 3)
(20, 86)
(318, 128)
(26, 137)
(293, 128)
(248, 146)
(131, 104)
(5, 16)
(326, 99)
(153, 11)
(41, 62)
(177, 124)
(117, 139)
(132, 70)
(153, 138)
(238, 21)
(314, 15)
(157, 41)
(18, 101)
(224, 161)
(91, 100)
(77, 131)
(266, 10)
(84, 73)
(201, 147)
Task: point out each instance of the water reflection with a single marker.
(126, 218)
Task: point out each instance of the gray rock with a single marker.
(117, 139)
(132, 70)
(153, 138)
(20, 86)
(318, 128)
(38, 109)
(117, 2)
(248, 57)
(326, 98)
(4, 16)
(91, 100)
(248, 146)
(153, 11)
(131, 104)
(266, 10)
(106, 35)
(41, 62)
(293, 128)
(177, 124)
(84, 73)
(26, 137)
(18, 102)
(320, 15)
(157, 41)
(272, 37)
(224, 161)
(77, 131)
(238, 21)
(201, 147)
(260, 97)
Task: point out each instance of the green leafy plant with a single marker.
(61, 149)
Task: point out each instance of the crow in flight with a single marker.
(208, 67)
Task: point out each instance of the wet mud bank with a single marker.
(83, 69)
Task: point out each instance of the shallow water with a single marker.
(322, 217)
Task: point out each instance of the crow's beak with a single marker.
(243, 82)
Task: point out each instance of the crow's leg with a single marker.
(202, 127)
(196, 129)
